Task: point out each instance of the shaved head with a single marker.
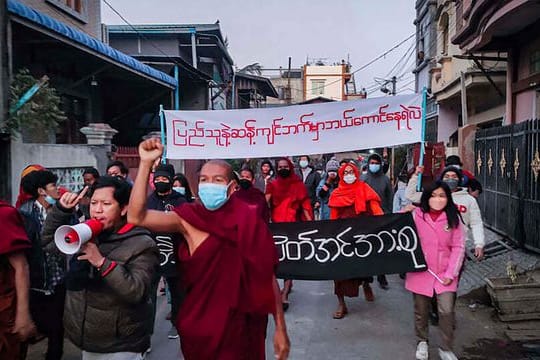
(219, 163)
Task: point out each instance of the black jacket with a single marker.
(167, 243)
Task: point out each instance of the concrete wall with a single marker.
(333, 77)
(297, 90)
(466, 139)
(494, 113)
(526, 102)
(54, 156)
(90, 24)
(135, 46)
(525, 106)
(448, 121)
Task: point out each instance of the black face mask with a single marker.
(284, 173)
(244, 184)
(163, 187)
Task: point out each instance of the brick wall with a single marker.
(91, 24)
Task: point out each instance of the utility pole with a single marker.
(3, 61)
(289, 97)
(385, 90)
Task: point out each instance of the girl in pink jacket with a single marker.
(443, 244)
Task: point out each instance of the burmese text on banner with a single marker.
(348, 248)
(294, 130)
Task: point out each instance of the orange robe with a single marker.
(349, 201)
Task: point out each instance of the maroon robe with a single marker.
(255, 197)
(228, 282)
(13, 239)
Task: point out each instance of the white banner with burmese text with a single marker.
(294, 130)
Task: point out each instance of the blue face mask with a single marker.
(49, 199)
(213, 196)
(374, 168)
(180, 189)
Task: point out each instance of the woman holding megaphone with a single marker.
(107, 304)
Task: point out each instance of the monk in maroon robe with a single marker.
(227, 265)
(252, 195)
(15, 322)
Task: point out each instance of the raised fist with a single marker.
(150, 150)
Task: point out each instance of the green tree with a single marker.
(40, 113)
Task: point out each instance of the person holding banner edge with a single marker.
(289, 201)
(352, 198)
(227, 261)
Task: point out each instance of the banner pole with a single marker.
(423, 137)
(162, 125)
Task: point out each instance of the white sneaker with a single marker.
(173, 334)
(447, 355)
(422, 352)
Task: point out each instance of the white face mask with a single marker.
(349, 178)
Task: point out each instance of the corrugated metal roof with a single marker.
(49, 23)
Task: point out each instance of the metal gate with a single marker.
(508, 166)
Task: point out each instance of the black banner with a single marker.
(348, 248)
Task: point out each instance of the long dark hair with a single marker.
(185, 183)
(451, 210)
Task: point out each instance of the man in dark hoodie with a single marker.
(165, 199)
(379, 182)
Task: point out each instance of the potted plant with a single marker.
(516, 296)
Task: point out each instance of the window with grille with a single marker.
(317, 87)
(76, 8)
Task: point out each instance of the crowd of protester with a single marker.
(206, 243)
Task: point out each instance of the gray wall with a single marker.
(55, 156)
(131, 45)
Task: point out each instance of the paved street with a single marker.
(380, 330)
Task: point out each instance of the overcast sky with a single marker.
(269, 31)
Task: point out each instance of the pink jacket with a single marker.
(443, 250)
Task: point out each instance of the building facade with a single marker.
(197, 51)
(512, 28)
(329, 81)
(468, 88)
(426, 36)
(101, 89)
(289, 86)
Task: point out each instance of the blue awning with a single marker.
(49, 23)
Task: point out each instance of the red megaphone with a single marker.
(69, 239)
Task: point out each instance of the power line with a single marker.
(370, 62)
(426, 51)
(405, 54)
(145, 38)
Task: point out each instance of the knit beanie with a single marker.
(332, 165)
